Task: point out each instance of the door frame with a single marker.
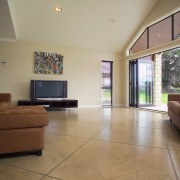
(111, 80)
(134, 84)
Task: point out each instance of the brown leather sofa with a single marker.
(21, 127)
(174, 108)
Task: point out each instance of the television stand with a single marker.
(50, 104)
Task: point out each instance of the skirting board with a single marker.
(97, 106)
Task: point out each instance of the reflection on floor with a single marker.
(162, 108)
(102, 144)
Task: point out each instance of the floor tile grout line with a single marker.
(50, 177)
(91, 138)
(117, 125)
(109, 124)
(78, 136)
(68, 135)
(121, 142)
(105, 126)
(3, 163)
(81, 121)
(168, 150)
(47, 174)
(95, 140)
(108, 140)
(129, 144)
(74, 152)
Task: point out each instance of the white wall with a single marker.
(82, 70)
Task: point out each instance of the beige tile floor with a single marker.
(102, 144)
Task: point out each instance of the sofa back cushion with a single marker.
(173, 97)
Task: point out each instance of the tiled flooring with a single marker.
(162, 108)
(102, 144)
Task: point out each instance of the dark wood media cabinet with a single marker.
(50, 104)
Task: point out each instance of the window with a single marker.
(177, 26)
(160, 32)
(164, 31)
(141, 43)
(106, 83)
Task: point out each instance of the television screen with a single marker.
(48, 89)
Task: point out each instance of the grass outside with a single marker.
(164, 98)
(107, 93)
(106, 97)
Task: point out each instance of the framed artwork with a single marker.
(48, 63)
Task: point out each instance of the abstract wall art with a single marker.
(48, 63)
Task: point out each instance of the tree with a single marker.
(171, 70)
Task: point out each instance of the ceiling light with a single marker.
(112, 20)
(57, 9)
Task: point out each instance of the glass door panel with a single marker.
(141, 82)
(133, 82)
(145, 81)
(106, 83)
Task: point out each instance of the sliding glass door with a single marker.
(133, 83)
(141, 82)
(145, 81)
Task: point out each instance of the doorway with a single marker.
(141, 82)
(106, 83)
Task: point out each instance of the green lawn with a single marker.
(164, 98)
(107, 94)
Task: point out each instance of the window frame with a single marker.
(148, 37)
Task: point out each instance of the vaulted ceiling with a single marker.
(82, 23)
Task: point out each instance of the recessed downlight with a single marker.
(58, 9)
(112, 20)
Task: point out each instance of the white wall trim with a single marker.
(89, 106)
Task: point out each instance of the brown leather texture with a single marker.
(173, 97)
(174, 108)
(21, 127)
(4, 104)
(23, 117)
(20, 140)
(5, 97)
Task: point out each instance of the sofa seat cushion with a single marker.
(4, 104)
(174, 106)
(23, 117)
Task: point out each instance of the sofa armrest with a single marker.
(5, 104)
(23, 117)
(173, 97)
(174, 106)
(5, 97)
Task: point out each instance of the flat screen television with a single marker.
(48, 89)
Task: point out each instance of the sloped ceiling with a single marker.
(7, 31)
(82, 23)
